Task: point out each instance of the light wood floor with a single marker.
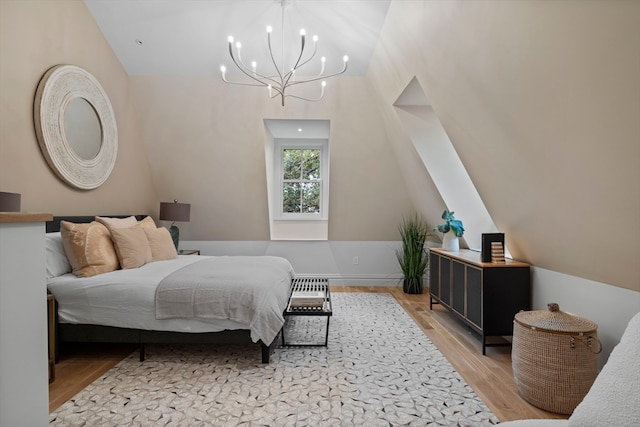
(490, 376)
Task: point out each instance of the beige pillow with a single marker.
(131, 246)
(112, 223)
(161, 243)
(88, 248)
(147, 222)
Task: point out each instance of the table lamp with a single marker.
(9, 202)
(175, 212)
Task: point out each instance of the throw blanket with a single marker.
(251, 290)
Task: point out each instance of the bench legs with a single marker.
(326, 338)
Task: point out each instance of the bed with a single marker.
(189, 299)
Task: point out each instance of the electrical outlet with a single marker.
(355, 260)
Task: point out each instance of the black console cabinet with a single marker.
(485, 295)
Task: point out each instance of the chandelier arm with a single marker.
(246, 72)
(306, 99)
(245, 69)
(273, 60)
(297, 65)
(315, 50)
(243, 84)
(320, 77)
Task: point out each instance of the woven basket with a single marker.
(554, 358)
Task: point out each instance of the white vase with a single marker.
(450, 242)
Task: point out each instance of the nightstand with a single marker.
(189, 252)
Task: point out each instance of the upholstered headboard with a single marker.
(54, 225)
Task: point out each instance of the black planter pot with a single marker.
(412, 285)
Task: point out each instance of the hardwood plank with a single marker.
(80, 365)
(490, 376)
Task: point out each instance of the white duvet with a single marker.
(126, 298)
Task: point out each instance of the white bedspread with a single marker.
(126, 299)
(246, 289)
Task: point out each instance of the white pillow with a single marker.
(56, 259)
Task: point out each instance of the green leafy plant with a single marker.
(451, 223)
(412, 257)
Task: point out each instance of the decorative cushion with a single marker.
(132, 246)
(147, 222)
(56, 260)
(88, 248)
(112, 223)
(161, 244)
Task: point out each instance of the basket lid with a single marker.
(555, 320)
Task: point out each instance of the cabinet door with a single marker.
(434, 274)
(445, 280)
(474, 296)
(457, 287)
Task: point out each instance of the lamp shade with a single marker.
(175, 211)
(9, 202)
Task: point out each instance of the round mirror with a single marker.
(75, 126)
(82, 128)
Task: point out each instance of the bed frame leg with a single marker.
(142, 352)
(265, 352)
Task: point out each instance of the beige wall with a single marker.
(34, 36)
(540, 99)
(542, 102)
(206, 145)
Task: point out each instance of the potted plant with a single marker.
(412, 257)
(452, 229)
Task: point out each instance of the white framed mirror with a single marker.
(75, 126)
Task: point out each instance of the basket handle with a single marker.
(589, 343)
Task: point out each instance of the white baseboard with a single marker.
(354, 280)
(344, 262)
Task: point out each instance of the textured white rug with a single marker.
(378, 370)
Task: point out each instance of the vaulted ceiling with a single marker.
(189, 37)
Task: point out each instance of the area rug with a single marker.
(379, 369)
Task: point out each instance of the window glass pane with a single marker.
(291, 192)
(299, 167)
(311, 164)
(291, 162)
(310, 197)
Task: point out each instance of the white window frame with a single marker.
(302, 144)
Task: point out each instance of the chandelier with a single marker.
(277, 83)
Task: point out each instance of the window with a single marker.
(302, 184)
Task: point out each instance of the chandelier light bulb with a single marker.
(345, 59)
(269, 29)
(230, 39)
(303, 32)
(315, 39)
(238, 45)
